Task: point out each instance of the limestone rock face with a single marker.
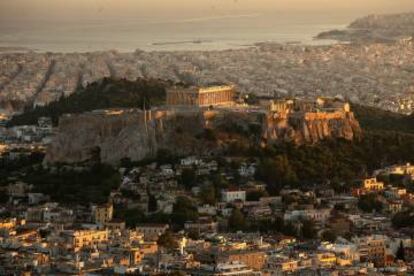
(301, 128)
(134, 134)
(111, 135)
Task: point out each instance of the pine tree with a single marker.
(236, 220)
(400, 255)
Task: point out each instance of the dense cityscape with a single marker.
(268, 159)
(200, 215)
(375, 74)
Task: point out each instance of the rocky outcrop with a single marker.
(112, 135)
(302, 127)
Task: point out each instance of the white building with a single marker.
(317, 215)
(407, 169)
(227, 269)
(232, 195)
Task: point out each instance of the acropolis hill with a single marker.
(304, 121)
(111, 135)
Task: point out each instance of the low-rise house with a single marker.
(103, 213)
(115, 225)
(8, 223)
(286, 241)
(247, 170)
(228, 269)
(259, 212)
(37, 198)
(372, 185)
(372, 249)
(369, 223)
(207, 210)
(203, 225)
(77, 239)
(339, 225)
(232, 195)
(325, 259)
(394, 206)
(278, 265)
(19, 189)
(317, 215)
(190, 161)
(343, 249)
(152, 231)
(406, 169)
(395, 193)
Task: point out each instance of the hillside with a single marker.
(375, 28)
(388, 138)
(393, 24)
(375, 119)
(107, 93)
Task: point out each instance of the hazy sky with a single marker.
(67, 9)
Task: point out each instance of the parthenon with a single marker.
(202, 97)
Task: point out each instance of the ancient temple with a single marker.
(202, 97)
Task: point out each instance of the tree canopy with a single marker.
(103, 94)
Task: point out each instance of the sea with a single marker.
(127, 34)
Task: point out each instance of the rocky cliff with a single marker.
(116, 134)
(112, 135)
(310, 127)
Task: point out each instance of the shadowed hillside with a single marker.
(371, 118)
(107, 93)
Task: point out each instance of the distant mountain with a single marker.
(375, 28)
(396, 24)
(104, 94)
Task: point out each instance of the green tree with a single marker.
(208, 194)
(256, 195)
(167, 240)
(400, 255)
(289, 229)
(102, 94)
(219, 183)
(4, 198)
(236, 220)
(152, 204)
(92, 185)
(279, 224)
(210, 135)
(329, 235)
(369, 203)
(403, 219)
(308, 229)
(132, 217)
(277, 172)
(183, 211)
(126, 163)
(165, 156)
(188, 178)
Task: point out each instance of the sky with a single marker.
(72, 9)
